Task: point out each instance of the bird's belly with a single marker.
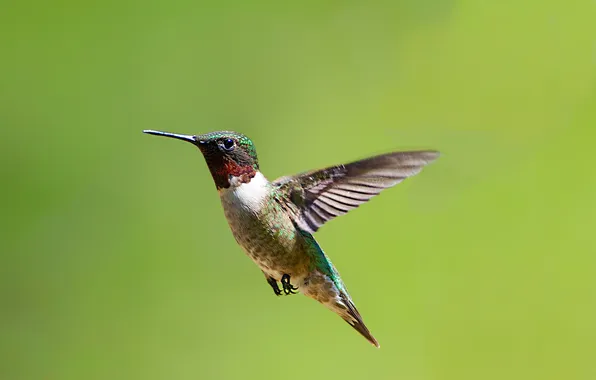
(270, 239)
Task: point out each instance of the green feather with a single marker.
(321, 261)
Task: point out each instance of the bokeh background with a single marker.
(116, 261)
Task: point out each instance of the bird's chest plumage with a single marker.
(263, 229)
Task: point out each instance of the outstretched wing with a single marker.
(321, 195)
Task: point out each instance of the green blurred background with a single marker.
(116, 261)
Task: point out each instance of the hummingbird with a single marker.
(274, 222)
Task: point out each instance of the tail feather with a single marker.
(324, 285)
(354, 319)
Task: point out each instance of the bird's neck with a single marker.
(225, 172)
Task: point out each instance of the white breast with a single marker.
(249, 196)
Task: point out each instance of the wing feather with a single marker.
(324, 194)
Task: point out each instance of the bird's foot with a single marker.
(274, 286)
(285, 283)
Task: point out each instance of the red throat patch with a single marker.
(221, 175)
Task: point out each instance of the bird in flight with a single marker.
(274, 221)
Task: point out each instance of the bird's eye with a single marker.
(228, 144)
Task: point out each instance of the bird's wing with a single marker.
(321, 195)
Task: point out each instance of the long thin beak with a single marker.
(190, 139)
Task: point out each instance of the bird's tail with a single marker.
(334, 296)
(351, 315)
(325, 286)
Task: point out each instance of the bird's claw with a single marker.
(274, 286)
(286, 285)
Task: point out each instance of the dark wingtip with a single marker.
(427, 156)
(433, 155)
